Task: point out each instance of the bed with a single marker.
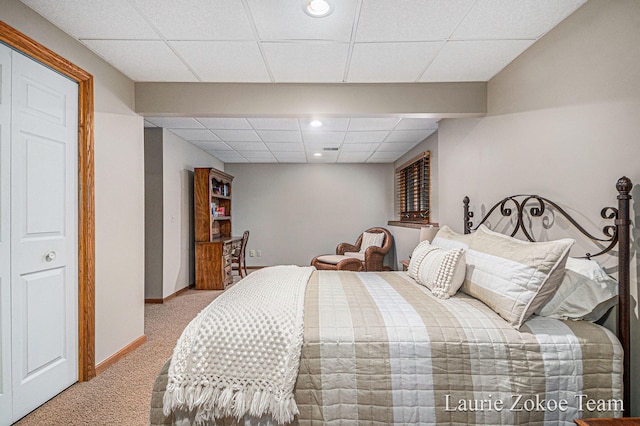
(410, 347)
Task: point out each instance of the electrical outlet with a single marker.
(252, 253)
(259, 253)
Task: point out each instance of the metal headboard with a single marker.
(618, 233)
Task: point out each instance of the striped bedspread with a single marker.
(380, 349)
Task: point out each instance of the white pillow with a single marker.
(511, 276)
(441, 271)
(448, 239)
(585, 293)
(371, 239)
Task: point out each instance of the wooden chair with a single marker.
(238, 256)
(348, 256)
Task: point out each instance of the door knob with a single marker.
(51, 256)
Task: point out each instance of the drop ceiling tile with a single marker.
(175, 122)
(285, 147)
(359, 147)
(95, 19)
(263, 160)
(390, 62)
(237, 135)
(258, 155)
(408, 135)
(306, 62)
(280, 135)
(323, 137)
(248, 146)
(473, 60)
(228, 156)
(385, 156)
(212, 146)
(353, 157)
(285, 20)
(374, 123)
(291, 157)
(328, 124)
(506, 19)
(364, 137)
(274, 123)
(198, 19)
(326, 157)
(407, 20)
(224, 123)
(139, 60)
(409, 123)
(224, 61)
(396, 146)
(195, 134)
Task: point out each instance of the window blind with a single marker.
(413, 189)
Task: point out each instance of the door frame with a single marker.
(86, 206)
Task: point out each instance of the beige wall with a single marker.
(153, 217)
(169, 233)
(408, 238)
(179, 160)
(118, 182)
(563, 122)
(297, 211)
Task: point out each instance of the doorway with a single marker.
(85, 191)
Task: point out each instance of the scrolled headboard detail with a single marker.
(615, 234)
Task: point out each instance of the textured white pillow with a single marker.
(440, 270)
(585, 293)
(371, 239)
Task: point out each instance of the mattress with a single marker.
(381, 349)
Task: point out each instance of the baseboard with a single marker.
(169, 297)
(120, 354)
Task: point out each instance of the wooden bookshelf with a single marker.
(214, 242)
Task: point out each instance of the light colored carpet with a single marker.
(121, 394)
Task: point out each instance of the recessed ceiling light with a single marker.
(317, 8)
(317, 154)
(316, 123)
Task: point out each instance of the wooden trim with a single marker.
(169, 297)
(86, 206)
(120, 354)
(414, 225)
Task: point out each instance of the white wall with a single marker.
(297, 211)
(179, 160)
(563, 122)
(118, 182)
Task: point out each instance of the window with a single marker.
(412, 189)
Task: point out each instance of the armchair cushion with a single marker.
(355, 254)
(332, 259)
(371, 239)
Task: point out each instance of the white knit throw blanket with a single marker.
(241, 354)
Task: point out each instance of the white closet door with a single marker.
(5, 241)
(44, 233)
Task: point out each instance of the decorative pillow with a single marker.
(371, 239)
(585, 293)
(511, 276)
(441, 271)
